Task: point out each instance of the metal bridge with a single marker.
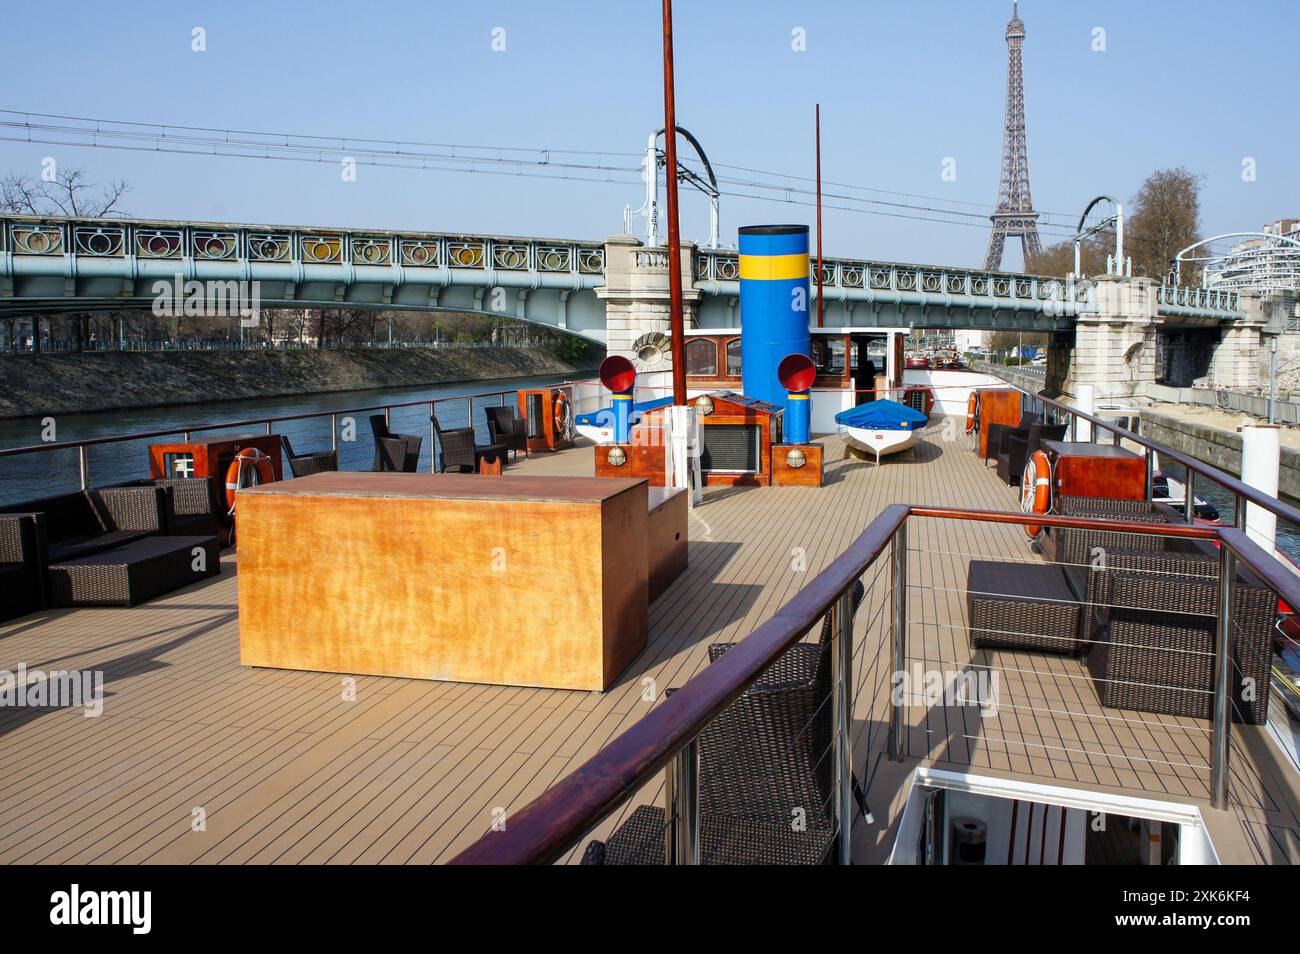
(63, 264)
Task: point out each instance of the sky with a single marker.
(908, 89)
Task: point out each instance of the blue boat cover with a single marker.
(605, 416)
(882, 415)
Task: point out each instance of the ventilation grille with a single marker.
(730, 448)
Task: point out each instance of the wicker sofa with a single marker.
(113, 545)
(22, 564)
(1149, 617)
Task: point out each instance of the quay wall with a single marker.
(35, 385)
(1217, 446)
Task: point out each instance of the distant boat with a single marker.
(883, 427)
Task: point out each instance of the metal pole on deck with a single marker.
(820, 310)
(676, 329)
(898, 572)
(1189, 497)
(842, 706)
(1223, 676)
(83, 462)
(682, 797)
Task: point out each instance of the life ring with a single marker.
(251, 463)
(562, 418)
(972, 411)
(1036, 488)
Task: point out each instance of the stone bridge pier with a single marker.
(637, 301)
(1116, 343)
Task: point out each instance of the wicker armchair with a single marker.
(505, 428)
(394, 452)
(767, 755)
(22, 564)
(1017, 445)
(315, 462)
(457, 448)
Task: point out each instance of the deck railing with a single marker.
(122, 457)
(660, 754)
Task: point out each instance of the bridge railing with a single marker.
(163, 241)
(719, 266)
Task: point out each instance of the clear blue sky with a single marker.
(903, 84)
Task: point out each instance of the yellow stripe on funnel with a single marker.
(773, 267)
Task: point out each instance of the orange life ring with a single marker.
(1036, 488)
(561, 418)
(972, 403)
(249, 461)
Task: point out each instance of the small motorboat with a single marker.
(882, 427)
(1167, 490)
(918, 362)
(598, 426)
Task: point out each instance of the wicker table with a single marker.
(133, 572)
(1022, 606)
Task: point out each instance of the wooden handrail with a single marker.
(1194, 531)
(1224, 479)
(552, 823)
(251, 422)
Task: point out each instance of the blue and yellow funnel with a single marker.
(774, 302)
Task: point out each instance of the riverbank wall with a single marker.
(37, 385)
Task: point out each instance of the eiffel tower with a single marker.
(1015, 214)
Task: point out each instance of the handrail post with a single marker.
(842, 707)
(433, 446)
(682, 805)
(1189, 497)
(83, 464)
(334, 433)
(1151, 475)
(898, 574)
(1223, 675)
(268, 428)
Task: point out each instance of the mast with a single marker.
(820, 312)
(676, 329)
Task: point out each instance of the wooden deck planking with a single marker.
(411, 771)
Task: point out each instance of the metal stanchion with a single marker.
(898, 568)
(83, 460)
(842, 708)
(1223, 675)
(682, 798)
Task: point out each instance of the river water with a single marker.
(30, 476)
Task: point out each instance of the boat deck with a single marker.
(199, 759)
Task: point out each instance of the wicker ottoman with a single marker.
(1021, 606)
(133, 572)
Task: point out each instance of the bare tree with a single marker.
(1166, 219)
(70, 193)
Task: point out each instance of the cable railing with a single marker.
(700, 752)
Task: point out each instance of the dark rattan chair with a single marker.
(994, 445)
(196, 505)
(315, 462)
(766, 757)
(22, 564)
(456, 448)
(1018, 445)
(505, 428)
(394, 452)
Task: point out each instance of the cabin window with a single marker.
(733, 358)
(828, 355)
(702, 357)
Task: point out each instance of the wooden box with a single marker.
(547, 414)
(810, 474)
(645, 456)
(528, 581)
(997, 406)
(1081, 469)
(746, 421)
(666, 537)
